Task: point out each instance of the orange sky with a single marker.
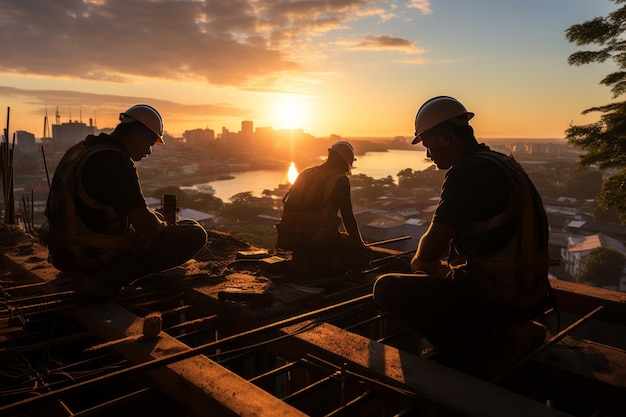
(351, 67)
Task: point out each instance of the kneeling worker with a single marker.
(315, 208)
(101, 232)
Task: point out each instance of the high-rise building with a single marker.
(247, 129)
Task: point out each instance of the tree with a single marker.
(605, 140)
(367, 189)
(245, 206)
(603, 267)
(431, 177)
(583, 184)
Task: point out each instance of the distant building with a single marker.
(579, 247)
(247, 129)
(403, 207)
(584, 228)
(205, 219)
(199, 138)
(385, 227)
(25, 142)
(71, 133)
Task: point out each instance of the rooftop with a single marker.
(236, 335)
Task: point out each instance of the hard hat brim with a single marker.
(459, 120)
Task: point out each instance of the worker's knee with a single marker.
(384, 289)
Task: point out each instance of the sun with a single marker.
(290, 112)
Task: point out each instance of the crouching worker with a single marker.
(100, 231)
(315, 208)
(490, 232)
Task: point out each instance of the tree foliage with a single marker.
(605, 140)
(583, 184)
(431, 177)
(603, 267)
(245, 206)
(367, 189)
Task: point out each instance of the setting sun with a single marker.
(290, 112)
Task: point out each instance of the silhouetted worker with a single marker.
(315, 208)
(490, 228)
(101, 232)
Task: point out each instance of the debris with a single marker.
(152, 325)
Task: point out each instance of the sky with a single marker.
(354, 68)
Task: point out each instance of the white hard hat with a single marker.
(437, 110)
(345, 150)
(148, 116)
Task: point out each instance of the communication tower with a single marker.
(46, 125)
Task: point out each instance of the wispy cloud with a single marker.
(109, 105)
(387, 42)
(422, 5)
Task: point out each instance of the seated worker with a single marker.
(491, 227)
(315, 208)
(100, 230)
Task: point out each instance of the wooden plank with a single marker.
(199, 383)
(603, 364)
(584, 375)
(581, 299)
(452, 391)
(30, 260)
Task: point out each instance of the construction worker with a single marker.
(480, 270)
(99, 229)
(315, 208)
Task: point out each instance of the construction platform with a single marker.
(236, 336)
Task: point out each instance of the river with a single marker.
(373, 164)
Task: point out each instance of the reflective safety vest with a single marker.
(515, 275)
(72, 245)
(308, 216)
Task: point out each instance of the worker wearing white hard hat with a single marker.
(146, 115)
(480, 271)
(316, 208)
(345, 150)
(99, 230)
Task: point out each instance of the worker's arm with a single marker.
(345, 206)
(432, 247)
(147, 225)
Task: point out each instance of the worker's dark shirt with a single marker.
(109, 177)
(475, 190)
(319, 191)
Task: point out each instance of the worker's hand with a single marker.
(429, 268)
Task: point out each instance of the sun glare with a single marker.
(290, 112)
(292, 173)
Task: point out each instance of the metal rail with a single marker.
(546, 345)
(179, 356)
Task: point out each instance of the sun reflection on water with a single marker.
(292, 173)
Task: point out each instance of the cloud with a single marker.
(422, 5)
(224, 42)
(109, 106)
(387, 42)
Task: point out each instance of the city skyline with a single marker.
(356, 68)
